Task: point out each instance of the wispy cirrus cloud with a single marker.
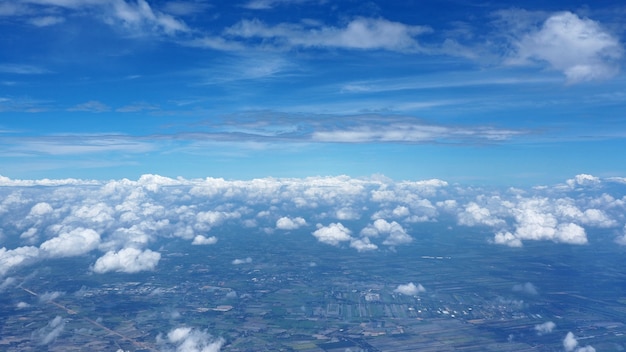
(360, 33)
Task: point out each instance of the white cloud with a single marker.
(186, 339)
(13, 258)
(40, 209)
(583, 180)
(570, 343)
(202, 240)
(407, 132)
(50, 332)
(545, 328)
(363, 244)
(360, 33)
(410, 289)
(286, 223)
(474, 215)
(527, 288)
(578, 47)
(332, 234)
(73, 243)
(127, 260)
(242, 261)
(395, 233)
(46, 21)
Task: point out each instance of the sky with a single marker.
(505, 93)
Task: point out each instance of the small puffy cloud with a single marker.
(186, 339)
(286, 223)
(70, 244)
(410, 289)
(332, 234)
(242, 261)
(363, 244)
(545, 328)
(202, 240)
(527, 288)
(127, 260)
(578, 47)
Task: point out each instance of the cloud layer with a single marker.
(125, 222)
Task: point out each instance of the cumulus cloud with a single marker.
(286, 223)
(545, 328)
(395, 233)
(186, 339)
(410, 289)
(578, 47)
(127, 260)
(332, 234)
(536, 220)
(363, 244)
(12, 258)
(70, 244)
(202, 240)
(474, 215)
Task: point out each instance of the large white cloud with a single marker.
(332, 234)
(127, 260)
(12, 258)
(73, 243)
(578, 47)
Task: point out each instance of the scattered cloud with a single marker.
(122, 219)
(410, 289)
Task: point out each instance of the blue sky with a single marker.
(477, 92)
